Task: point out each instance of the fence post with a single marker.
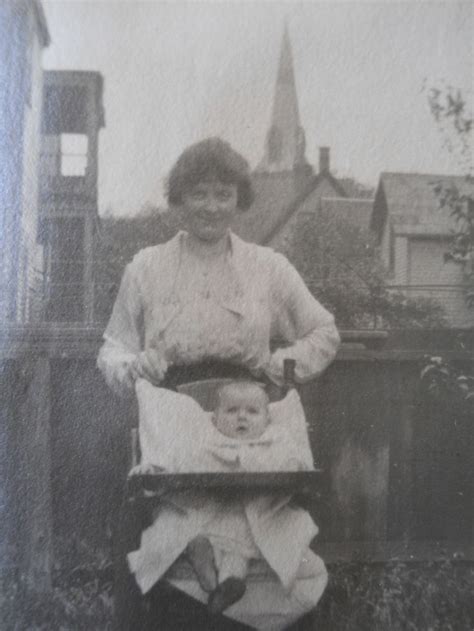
(401, 510)
(34, 473)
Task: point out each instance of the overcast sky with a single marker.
(177, 72)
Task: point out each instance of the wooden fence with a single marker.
(399, 469)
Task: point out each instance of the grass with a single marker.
(81, 599)
(398, 596)
(360, 597)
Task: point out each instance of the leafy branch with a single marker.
(439, 379)
(341, 265)
(449, 109)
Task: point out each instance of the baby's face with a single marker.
(242, 411)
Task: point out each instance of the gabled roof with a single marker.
(335, 183)
(278, 197)
(411, 202)
(353, 211)
(275, 193)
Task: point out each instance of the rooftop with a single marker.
(411, 199)
(349, 210)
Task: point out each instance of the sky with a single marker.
(177, 72)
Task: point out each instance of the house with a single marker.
(413, 233)
(23, 36)
(73, 117)
(285, 184)
(49, 128)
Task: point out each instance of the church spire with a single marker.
(286, 75)
(285, 142)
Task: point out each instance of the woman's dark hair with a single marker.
(204, 160)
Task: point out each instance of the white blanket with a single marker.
(178, 435)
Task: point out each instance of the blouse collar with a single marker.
(234, 299)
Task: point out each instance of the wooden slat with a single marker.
(66, 341)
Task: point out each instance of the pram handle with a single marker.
(289, 366)
(135, 447)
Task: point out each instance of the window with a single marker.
(73, 155)
(64, 154)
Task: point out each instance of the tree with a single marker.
(440, 379)
(455, 123)
(118, 240)
(340, 263)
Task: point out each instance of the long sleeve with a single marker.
(123, 335)
(301, 321)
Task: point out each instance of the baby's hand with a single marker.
(144, 468)
(293, 464)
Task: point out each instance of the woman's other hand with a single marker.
(150, 365)
(294, 464)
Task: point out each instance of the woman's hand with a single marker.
(120, 375)
(274, 368)
(150, 365)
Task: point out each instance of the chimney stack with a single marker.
(324, 166)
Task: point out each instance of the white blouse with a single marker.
(190, 310)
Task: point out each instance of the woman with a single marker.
(207, 304)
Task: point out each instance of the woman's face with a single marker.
(208, 209)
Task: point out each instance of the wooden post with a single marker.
(34, 474)
(7, 518)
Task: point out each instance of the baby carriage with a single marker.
(172, 605)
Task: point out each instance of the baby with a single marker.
(246, 440)
(242, 410)
(220, 533)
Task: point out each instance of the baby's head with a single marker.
(241, 410)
